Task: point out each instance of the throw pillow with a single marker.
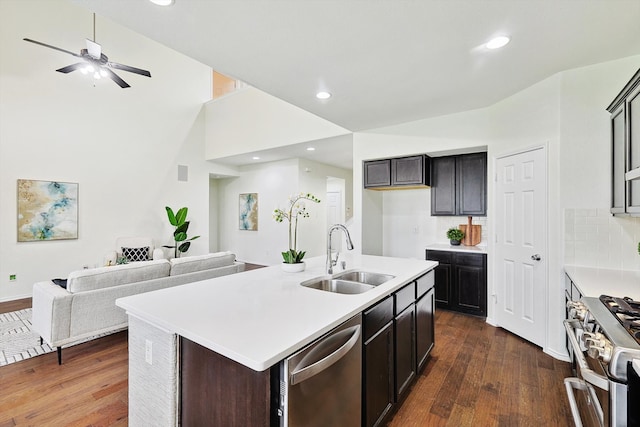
(136, 254)
(60, 282)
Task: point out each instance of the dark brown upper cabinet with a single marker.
(459, 185)
(625, 148)
(397, 173)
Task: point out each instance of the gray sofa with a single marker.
(86, 308)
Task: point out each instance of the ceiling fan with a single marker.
(95, 62)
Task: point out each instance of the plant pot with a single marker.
(454, 242)
(293, 268)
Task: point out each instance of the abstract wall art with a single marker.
(248, 211)
(47, 210)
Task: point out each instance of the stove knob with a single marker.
(600, 350)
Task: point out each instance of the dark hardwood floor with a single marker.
(477, 375)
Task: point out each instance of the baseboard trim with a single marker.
(15, 298)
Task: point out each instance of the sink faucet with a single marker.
(331, 262)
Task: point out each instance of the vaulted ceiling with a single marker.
(386, 61)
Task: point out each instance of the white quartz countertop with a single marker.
(594, 282)
(458, 248)
(260, 317)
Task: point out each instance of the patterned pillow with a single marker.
(136, 254)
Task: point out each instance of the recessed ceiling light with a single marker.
(162, 2)
(498, 42)
(256, 158)
(323, 95)
(311, 149)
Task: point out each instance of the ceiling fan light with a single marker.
(103, 72)
(84, 70)
(96, 75)
(89, 69)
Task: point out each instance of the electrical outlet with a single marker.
(148, 352)
(13, 277)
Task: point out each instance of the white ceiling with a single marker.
(386, 61)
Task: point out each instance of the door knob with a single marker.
(536, 257)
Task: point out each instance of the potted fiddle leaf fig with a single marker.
(180, 238)
(455, 235)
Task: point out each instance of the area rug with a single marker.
(17, 339)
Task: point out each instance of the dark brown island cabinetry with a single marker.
(459, 185)
(460, 281)
(398, 337)
(625, 148)
(397, 173)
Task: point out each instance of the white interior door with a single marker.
(335, 215)
(521, 244)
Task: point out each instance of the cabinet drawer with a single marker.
(405, 297)
(440, 256)
(424, 283)
(470, 260)
(377, 316)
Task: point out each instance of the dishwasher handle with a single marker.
(301, 374)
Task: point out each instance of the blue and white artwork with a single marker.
(47, 210)
(248, 212)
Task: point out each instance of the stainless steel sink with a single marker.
(373, 279)
(350, 282)
(338, 286)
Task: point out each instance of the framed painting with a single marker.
(47, 210)
(248, 211)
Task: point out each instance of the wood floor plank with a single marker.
(477, 375)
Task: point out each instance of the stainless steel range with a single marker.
(603, 338)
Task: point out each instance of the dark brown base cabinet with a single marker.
(460, 281)
(398, 337)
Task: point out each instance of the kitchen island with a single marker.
(253, 319)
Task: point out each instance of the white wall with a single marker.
(566, 113)
(274, 123)
(275, 182)
(122, 146)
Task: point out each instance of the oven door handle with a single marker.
(587, 373)
(578, 384)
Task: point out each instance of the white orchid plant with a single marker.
(294, 211)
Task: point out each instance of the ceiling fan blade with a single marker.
(51, 47)
(113, 76)
(129, 68)
(94, 49)
(72, 67)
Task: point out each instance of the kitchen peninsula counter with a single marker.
(226, 333)
(259, 317)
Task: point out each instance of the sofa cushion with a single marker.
(104, 277)
(136, 254)
(201, 262)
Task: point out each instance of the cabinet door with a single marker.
(377, 173)
(405, 350)
(470, 284)
(443, 186)
(378, 376)
(408, 171)
(443, 276)
(471, 184)
(424, 327)
(633, 141)
(618, 190)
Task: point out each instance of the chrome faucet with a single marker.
(331, 262)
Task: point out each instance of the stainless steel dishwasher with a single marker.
(321, 384)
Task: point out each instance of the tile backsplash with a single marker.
(595, 238)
